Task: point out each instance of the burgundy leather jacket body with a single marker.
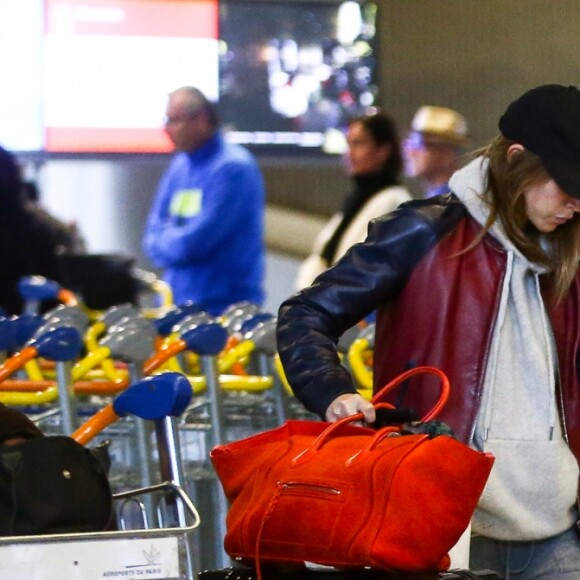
(436, 305)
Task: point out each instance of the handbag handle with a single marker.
(443, 397)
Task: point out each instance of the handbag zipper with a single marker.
(289, 485)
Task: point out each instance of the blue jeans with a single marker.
(557, 558)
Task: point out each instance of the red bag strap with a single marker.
(443, 397)
(267, 514)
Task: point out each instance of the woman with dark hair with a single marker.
(482, 283)
(374, 163)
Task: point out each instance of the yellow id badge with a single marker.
(185, 203)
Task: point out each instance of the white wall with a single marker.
(108, 200)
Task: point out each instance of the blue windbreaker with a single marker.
(205, 227)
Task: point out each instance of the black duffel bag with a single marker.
(100, 280)
(54, 485)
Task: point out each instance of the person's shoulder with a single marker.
(232, 153)
(41, 231)
(399, 191)
(235, 153)
(440, 212)
(434, 207)
(238, 163)
(41, 219)
(388, 199)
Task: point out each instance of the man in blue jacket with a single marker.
(205, 228)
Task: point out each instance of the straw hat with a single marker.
(441, 122)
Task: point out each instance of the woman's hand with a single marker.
(350, 404)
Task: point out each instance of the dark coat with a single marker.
(29, 242)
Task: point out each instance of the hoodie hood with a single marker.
(469, 185)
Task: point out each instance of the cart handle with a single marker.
(152, 398)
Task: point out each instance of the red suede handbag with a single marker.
(349, 497)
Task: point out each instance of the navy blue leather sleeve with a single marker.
(370, 274)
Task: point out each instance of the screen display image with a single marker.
(92, 76)
(109, 66)
(292, 73)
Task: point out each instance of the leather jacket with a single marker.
(436, 305)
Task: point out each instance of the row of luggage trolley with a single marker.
(113, 376)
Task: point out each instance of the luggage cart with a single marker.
(151, 543)
(156, 552)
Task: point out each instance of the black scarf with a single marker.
(365, 187)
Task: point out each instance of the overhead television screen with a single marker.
(109, 65)
(92, 76)
(293, 72)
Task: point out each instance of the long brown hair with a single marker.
(507, 180)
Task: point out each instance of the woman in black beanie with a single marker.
(482, 283)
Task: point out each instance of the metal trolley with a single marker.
(155, 552)
(156, 523)
(234, 385)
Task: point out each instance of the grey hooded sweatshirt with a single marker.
(531, 492)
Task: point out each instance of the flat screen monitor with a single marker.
(92, 76)
(293, 72)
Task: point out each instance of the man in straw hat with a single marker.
(432, 149)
